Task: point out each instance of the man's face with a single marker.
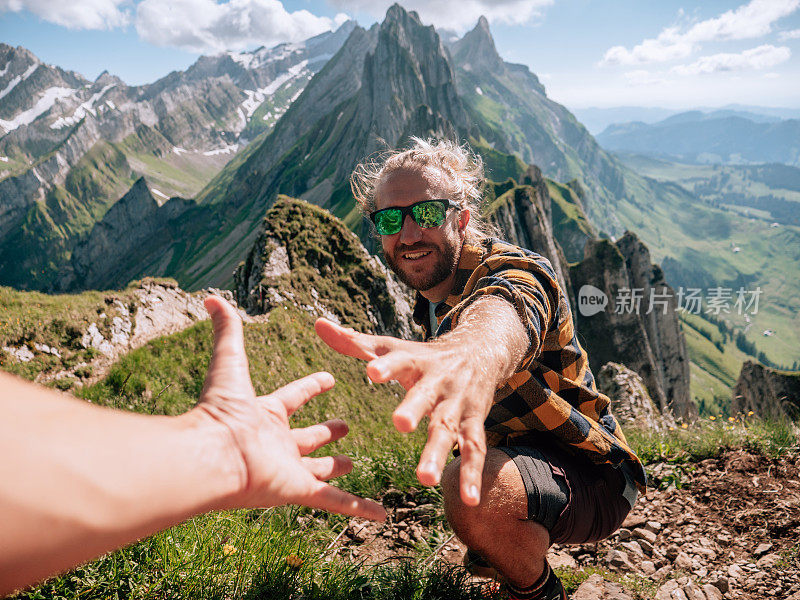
(423, 258)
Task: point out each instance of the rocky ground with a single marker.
(727, 527)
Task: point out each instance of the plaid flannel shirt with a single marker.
(552, 396)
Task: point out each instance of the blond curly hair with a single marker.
(461, 168)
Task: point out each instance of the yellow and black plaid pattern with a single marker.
(553, 393)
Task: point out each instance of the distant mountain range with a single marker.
(395, 80)
(70, 148)
(597, 119)
(720, 137)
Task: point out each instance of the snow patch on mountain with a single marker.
(262, 56)
(82, 110)
(18, 79)
(256, 97)
(44, 104)
(230, 149)
(159, 193)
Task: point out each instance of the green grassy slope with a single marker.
(166, 377)
(695, 244)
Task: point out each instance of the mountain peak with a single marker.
(477, 48)
(397, 15)
(409, 68)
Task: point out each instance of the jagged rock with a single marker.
(306, 256)
(595, 588)
(620, 330)
(630, 402)
(161, 308)
(103, 259)
(767, 392)
(524, 216)
(661, 323)
(554, 139)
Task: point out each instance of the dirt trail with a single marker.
(730, 529)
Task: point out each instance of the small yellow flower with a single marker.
(750, 414)
(672, 429)
(731, 419)
(294, 561)
(227, 549)
(684, 425)
(713, 418)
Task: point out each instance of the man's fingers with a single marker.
(300, 391)
(312, 438)
(442, 436)
(328, 467)
(399, 364)
(419, 401)
(327, 497)
(472, 445)
(352, 343)
(229, 357)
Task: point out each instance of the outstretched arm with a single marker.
(77, 480)
(452, 379)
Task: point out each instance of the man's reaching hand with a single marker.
(452, 380)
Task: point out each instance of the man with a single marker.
(502, 368)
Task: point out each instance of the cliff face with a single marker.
(523, 214)
(767, 392)
(103, 258)
(630, 402)
(661, 323)
(305, 256)
(652, 344)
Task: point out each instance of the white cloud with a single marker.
(74, 14)
(459, 15)
(794, 34)
(762, 57)
(641, 77)
(749, 21)
(209, 26)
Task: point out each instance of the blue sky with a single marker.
(586, 52)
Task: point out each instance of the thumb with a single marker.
(229, 357)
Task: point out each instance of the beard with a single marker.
(422, 280)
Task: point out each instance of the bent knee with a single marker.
(502, 495)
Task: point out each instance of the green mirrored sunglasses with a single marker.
(426, 214)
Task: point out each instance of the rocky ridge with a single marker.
(766, 392)
(126, 320)
(648, 341)
(305, 256)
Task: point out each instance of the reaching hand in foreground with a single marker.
(275, 469)
(452, 380)
(77, 480)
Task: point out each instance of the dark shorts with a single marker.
(576, 500)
